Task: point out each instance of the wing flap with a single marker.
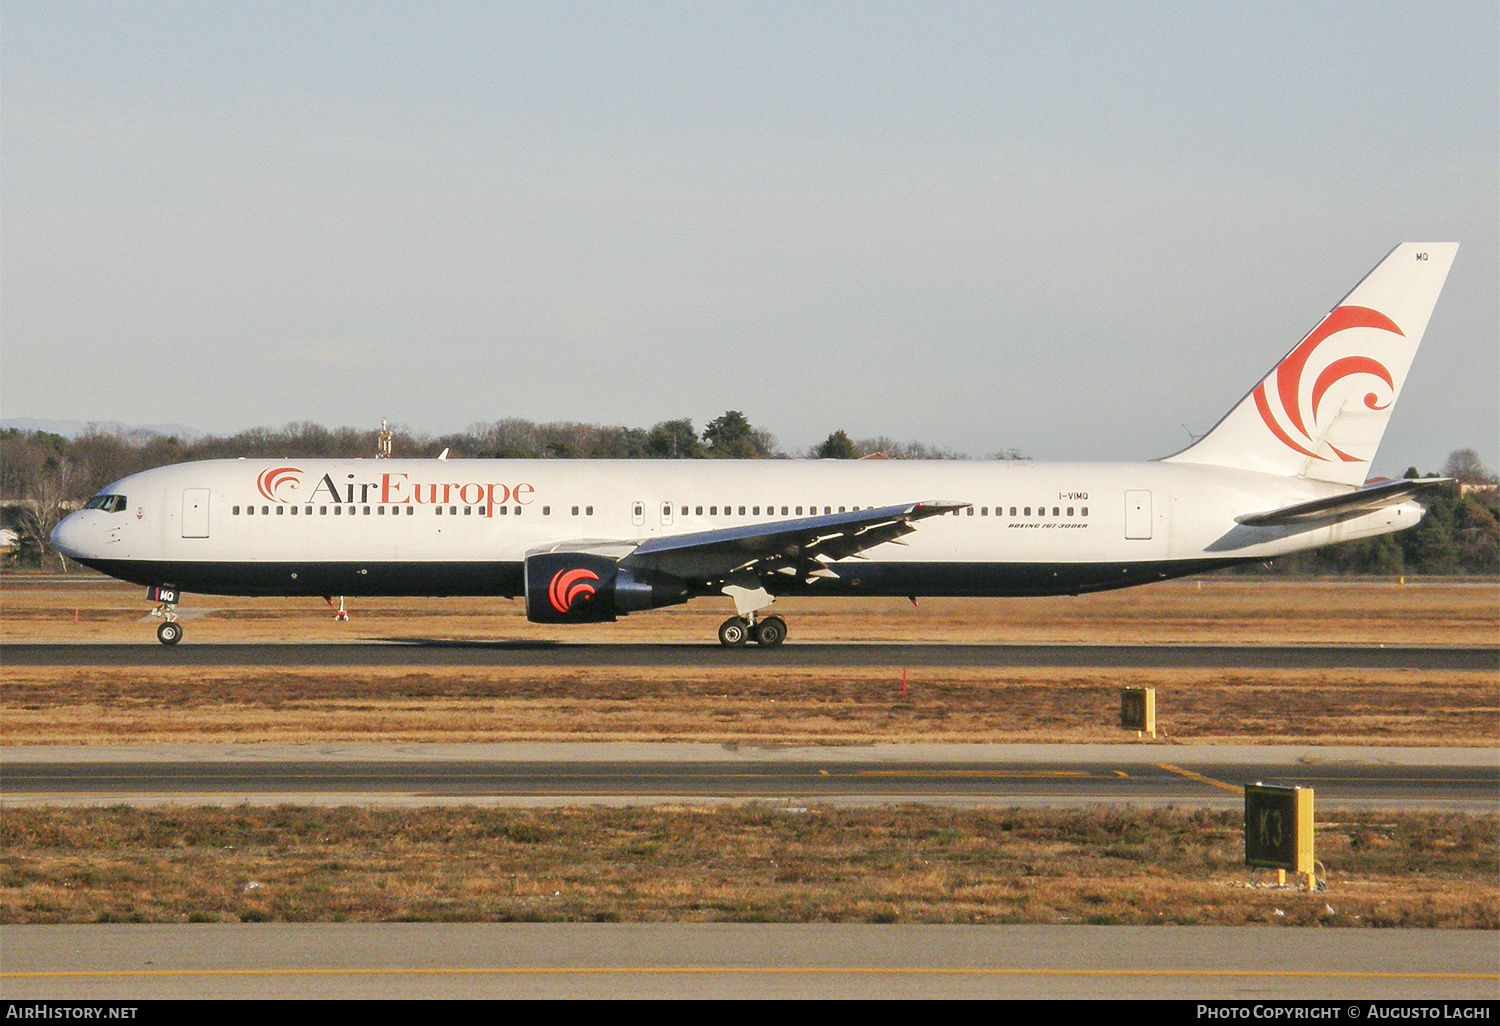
(801, 544)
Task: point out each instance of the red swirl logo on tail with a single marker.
(271, 482)
(567, 585)
(1300, 400)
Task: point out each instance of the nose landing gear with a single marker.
(165, 597)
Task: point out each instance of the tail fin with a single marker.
(1322, 410)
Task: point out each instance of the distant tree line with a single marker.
(43, 476)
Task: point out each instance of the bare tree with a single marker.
(1465, 467)
(47, 499)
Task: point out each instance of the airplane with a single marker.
(593, 540)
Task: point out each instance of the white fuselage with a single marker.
(433, 527)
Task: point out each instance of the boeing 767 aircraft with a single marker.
(587, 541)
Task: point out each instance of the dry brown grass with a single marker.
(1226, 610)
(752, 706)
(738, 863)
(755, 705)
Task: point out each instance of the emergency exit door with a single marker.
(195, 513)
(1138, 514)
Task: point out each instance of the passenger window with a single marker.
(575, 511)
(468, 510)
(799, 511)
(1070, 511)
(588, 511)
(293, 511)
(971, 511)
(984, 511)
(742, 511)
(503, 510)
(841, 509)
(546, 511)
(1055, 511)
(783, 511)
(281, 511)
(1085, 511)
(236, 511)
(713, 511)
(308, 511)
(436, 509)
(338, 511)
(1026, 511)
(684, 511)
(367, 511)
(322, 511)
(518, 511)
(755, 510)
(697, 511)
(379, 511)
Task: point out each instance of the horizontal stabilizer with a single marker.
(1336, 508)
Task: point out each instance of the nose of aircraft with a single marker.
(71, 536)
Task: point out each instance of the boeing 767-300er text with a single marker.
(587, 541)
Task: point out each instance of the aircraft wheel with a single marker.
(169, 633)
(770, 632)
(734, 632)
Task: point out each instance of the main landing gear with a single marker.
(767, 633)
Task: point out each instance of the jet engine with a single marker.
(578, 587)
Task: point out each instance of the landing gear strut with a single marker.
(737, 630)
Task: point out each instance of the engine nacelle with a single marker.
(576, 587)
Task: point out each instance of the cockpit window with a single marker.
(108, 503)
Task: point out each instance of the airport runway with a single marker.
(429, 652)
(723, 960)
(1038, 775)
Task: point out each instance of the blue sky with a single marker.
(1079, 230)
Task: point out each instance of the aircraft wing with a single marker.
(800, 548)
(1335, 508)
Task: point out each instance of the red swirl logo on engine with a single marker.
(271, 482)
(1303, 379)
(567, 585)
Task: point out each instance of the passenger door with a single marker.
(195, 513)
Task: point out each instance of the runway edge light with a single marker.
(1279, 831)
